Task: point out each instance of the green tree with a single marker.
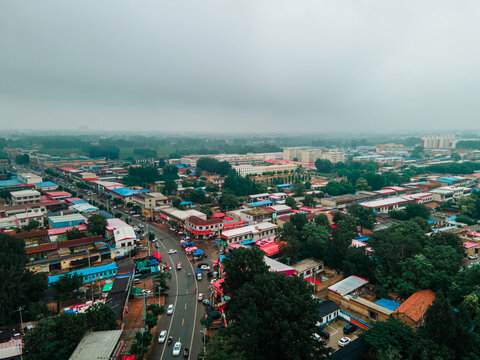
(22, 159)
(365, 216)
(117, 201)
(160, 281)
(299, 188)
(228, 201)
(100, 317)
(455, 157)
(170, 187)
(96, 224)
(389, 336)
(275, 317)
(324, 165)
(322, 219)
(177, 203)
(67, 285)
(362, 184)
(240, 267)
(290, 201)
(309, 201)
(74, 233)
(32, 224)
(55, 337)
(20, 286)
(417, 152)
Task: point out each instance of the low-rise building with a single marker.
(411, 312)
(249, 233)
(66, 220)
(203, 228)
(25, 197)
(29, 178)
(98, 345)
(150, 200)
(308, 268)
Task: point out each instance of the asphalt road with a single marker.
(184, 324)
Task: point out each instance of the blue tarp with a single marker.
(186, 203)
(247, 242)
(260, 203)
(198, 252)
(153, 262)
(127, 192)
(190, 243)
(388, 304)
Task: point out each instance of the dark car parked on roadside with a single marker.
(324, 333)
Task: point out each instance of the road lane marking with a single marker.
(183, 320)
(185, 306)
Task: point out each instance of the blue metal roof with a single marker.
(85, 272)
(186, 203)
(283, 185)
(46, 184)
(128, 192)
(11, 182)
(388, 304)
(260, 203)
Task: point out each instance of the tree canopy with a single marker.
(96, 224)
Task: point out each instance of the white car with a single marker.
(344, 341)
(200, 297)
(146, 291)
(179, 266)
(170, 309)
(473, 256)
(172, 251)
(162, 336)
(205, 267)
(176, 349)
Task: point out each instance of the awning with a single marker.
(313, 281)
(158, 255)
(189, 243)
(198, 252)
(107, 287)
(190, 249)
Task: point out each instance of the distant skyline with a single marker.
(239, 67)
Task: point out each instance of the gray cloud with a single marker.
(254, 65)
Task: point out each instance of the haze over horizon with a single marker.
(231, 66)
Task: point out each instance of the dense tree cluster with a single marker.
(141, 176)
(20, 287)
(453, 168)
(214, 166)
(270, 316)
(57, 337)
(242, 186)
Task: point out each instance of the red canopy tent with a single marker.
(158, 255)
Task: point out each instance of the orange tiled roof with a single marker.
(417, 304)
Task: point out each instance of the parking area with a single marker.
(335, 329)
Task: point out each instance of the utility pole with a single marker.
(20, 308)
(204, 332)
(144, 313)
(159, 293)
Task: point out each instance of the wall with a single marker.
(360, 310)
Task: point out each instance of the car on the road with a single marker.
(176, 348)
(473, 256)
(162, 336)
(172, 229)
(172, 251)
(186, 353)
(179, 266)
(156, 246)
(170, 309)
(349, 328)
(202, 264)
(200, 297)
(205, 267)
(344, 341)
(146, 291)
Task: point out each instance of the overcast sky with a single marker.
(250, 66)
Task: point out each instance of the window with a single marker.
(372, 315)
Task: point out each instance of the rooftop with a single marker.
(306, 264)
(327, 307)
(97, 345)
(417, 304)
(348, 285)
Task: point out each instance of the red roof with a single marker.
(195, 220)
(59, 231)
(417, 304)
(56, 194)
(218, 215)
(81, 241)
